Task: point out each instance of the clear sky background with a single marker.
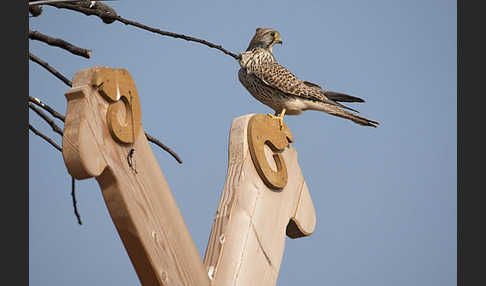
(385, 198)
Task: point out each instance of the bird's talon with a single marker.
(272, 116)
(279, 118)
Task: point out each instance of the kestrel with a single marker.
(278, 88)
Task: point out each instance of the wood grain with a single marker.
(247, 239)
(265, 134)
(134, 188)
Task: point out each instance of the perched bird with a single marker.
(278, 88)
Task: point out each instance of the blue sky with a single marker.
(385, 198)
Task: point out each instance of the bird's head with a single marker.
(264, 38)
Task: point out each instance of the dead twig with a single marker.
(175, 35)
(47, 139)
(163, 146)
(49, 120)
(109, 15)
(34, 3)
(50, 141)
(62, 118)
(50, 69)
(47, 108)
(35, 10)
(104, 12)
(34, 35)
(73, 195)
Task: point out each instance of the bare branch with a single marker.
(98, 9)
(174, 35)
(163, 146)
(106, 13)
(50, 69)
(73, 195)
(49, 140)
(35, 10)
(47, 108)
(34, 3)
(34, 35)
(49, 120)
(62, 117)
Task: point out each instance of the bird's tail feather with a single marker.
(332, 97)
(343, 106)
(333, 110)
(336, 96)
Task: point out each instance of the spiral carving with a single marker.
(263, 130)
(124, 114)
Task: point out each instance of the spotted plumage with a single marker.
(278, 88)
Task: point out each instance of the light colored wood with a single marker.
(96, 143)
(124, 115)
(263, 131)
(247, 239)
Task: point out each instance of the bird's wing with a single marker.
(336, 96)
(311, 84)
(278, 77)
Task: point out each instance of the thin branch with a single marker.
(73, 195)
(49, 140)
(174, 35)
(62, 118)
(35, 10)
(86, 7)
(46, 118)
(163, 146)
(32, 3)
(47, 108)
(50, 69)
(34, 35)
(106, 13)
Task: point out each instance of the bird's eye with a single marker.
(272, 34)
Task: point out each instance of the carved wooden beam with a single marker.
(264, 198)
(104, 138)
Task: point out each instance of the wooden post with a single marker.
(264, 198)
(104, 138)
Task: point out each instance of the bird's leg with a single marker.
(273, 116)
(280, 117)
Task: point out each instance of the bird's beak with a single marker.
(277, 40)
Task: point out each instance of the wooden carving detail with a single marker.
(104, 138)
(264, 131)
(265, 196)
(124, 115)
(247, 239)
